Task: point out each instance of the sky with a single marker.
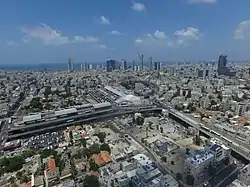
(49, 31)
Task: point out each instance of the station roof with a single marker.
(65, 111)
(100, 105)
(32, 117)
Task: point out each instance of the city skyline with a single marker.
(44, 32)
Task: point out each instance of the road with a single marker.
(220, 177)
(237, 146)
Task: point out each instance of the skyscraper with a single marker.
(150, 63)
(157, 66)
(141, 56)
(222, 67)
(70, 65)
(111, 65)
(124, 65)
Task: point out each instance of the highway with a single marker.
(235, 146)
(63, 122)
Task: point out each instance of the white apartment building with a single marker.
(195, 165)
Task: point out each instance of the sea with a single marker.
(42, 67)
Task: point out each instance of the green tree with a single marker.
(101, 136)
(139, 121)
(105, 147)
(93, 166)
(94, 149)
(179, 176)
(91, 181)
(190, 180)
(226, 161)
(86, 152)
(161, 129)
(211, 170)
(164, 159)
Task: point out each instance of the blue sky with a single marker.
(93, 30)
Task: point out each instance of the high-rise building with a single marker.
(150, 63)
(133, 65)
(222, 67)
(70, 65)
(141, 56)
(124, 65)
(157, 66)
(111, 65)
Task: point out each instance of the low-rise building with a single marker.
(51, 172)
(196, 164)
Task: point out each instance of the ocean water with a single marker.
(42, 67)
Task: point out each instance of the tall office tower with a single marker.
(222, 67)
(81, 68)
(157, 66)
(90, 66)
(111, 65)
(150, 63)
(123, 65)
(141, 56)
(222, 64)
(133, 65)
(85, 66)
(70, 65)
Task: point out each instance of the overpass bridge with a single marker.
(210, 130)
(42, 127)
(234, 144)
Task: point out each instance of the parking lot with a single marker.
(48, 140)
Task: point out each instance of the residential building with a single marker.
(51, 172)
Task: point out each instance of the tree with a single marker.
(86, 152)
(84, 142)
(94, 149)
(91, 181)
(213, 102)
(172, 162)
(164, 159)
(101, 136)
(161, 129)
(247, 124)
(190, 180)
(19, 175)
(197, 140)
(139, 121)
(187, 151)
(226, 161)
(211, 170)
(93, 166)
(105, 147)
(12, 180)
(179, 176)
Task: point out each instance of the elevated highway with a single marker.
(239, 147)
(29, 130)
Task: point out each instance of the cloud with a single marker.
(182, 37)
(203, 1)
(185, 36)
(159, 35)
(104, 20)
(115, 32)
(11, 43)
(138, 6)
(49, 36)
(138, 41)
(243, 30)
(102, 46)
(88, 39)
